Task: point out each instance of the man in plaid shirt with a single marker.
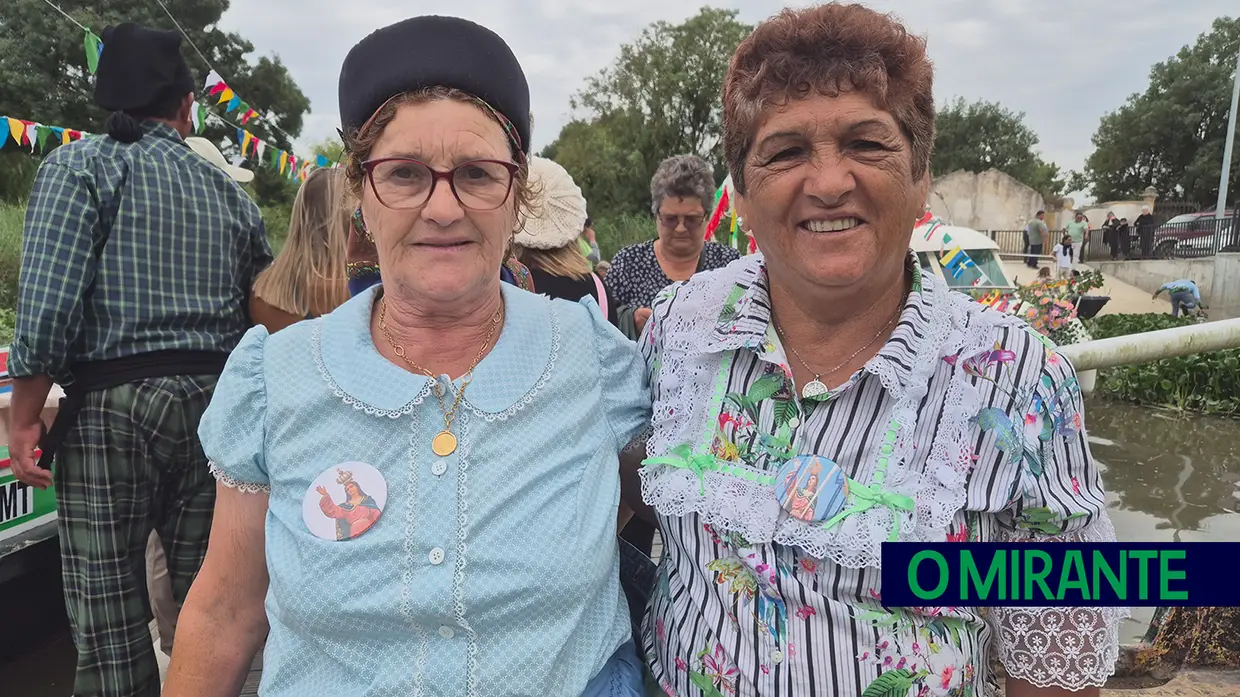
(137, 262)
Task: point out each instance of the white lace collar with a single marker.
(507, 377)
(744, 321)
(719, 312)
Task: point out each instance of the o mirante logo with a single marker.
(1060, 574)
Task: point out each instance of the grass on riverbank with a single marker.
(1206, 383)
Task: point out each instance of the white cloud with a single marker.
(1064, 64)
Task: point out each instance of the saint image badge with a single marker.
(344, 501)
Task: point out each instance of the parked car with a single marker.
(1192, 231)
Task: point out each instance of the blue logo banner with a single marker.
(1061, 574)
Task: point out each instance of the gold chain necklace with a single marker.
(444, 443)
(815, 387)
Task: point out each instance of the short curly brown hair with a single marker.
(828, 49)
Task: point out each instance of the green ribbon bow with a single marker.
(866, 497)
(682, 456)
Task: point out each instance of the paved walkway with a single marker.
(1127, 299)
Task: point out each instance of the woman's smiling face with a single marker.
(830, 195)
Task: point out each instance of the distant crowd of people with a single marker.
(1117, 236)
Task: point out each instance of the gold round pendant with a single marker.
(444, 444)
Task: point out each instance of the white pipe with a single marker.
(1147, 347)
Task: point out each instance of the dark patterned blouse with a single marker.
(636, 278)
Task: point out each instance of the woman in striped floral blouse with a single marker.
(819, 399)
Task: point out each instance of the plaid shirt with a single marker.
(175, 273)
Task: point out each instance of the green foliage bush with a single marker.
(1206, 382)
(11, 220)
(617, 232)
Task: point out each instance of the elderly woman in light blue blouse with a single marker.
(422, 486)
(826, 396)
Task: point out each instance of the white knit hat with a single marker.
(559, 214)
(207, 149)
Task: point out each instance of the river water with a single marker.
(1169, 478)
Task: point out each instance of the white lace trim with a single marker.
(1068, 647)
(685, 384)
(408, 566)
(317, 350)
(232, 483)
(520, 404)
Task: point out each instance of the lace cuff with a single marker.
(244, 487)
(1068, 647)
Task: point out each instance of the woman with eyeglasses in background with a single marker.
(682, 191)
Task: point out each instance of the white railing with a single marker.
(1147, 347)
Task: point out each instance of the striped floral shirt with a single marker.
(966, 426)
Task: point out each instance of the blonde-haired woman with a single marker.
(547, 242)
(307, 279)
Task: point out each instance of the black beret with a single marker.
(433, 51)
(138, 66)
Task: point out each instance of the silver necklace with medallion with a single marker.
(816, 388)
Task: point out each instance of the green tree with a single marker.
(978, 136)
(44, 78)
(1171, 136)
(660, 97)
(331, 148)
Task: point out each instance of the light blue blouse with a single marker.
(493, 571)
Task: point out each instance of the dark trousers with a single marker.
(130, 465)
(1035, 250)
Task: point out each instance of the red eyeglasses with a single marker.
(402, 183)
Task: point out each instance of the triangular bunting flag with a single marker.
(64, 136)
(74, 134)
(4, 130)
(217, 88)
(226, 95)
(196, 115)
(42, 133)
(249, 114)
(233, 104)
(213, 79)
(241, 140)
(242, 108)
(283, 161)
(32, 134)
(93, 48)
(259, 147)
(321, 160)
(17, 129)
(245, 144)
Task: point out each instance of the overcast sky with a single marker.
(1064, 64)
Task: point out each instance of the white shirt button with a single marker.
(778, 656)
(794, 422)
(439, 468)
(446, 632)
(436, 556)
